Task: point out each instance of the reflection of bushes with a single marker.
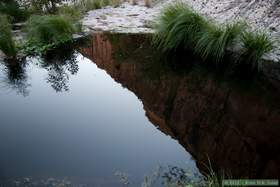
(7, 44)
(15, 76)
(59, 63)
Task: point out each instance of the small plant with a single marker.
(7, 44)
(214, 41)
(178, 26)
(255, 45)
(44, 32)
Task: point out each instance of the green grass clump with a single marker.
(7, 44)
(214, 41)
(255, 46)
(178, 26)
(48, 31)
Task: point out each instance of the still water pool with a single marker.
(112, 111)
(66, 121)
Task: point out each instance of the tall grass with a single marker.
(255, 46)
(214, 40)
(47, 31)
(7, 44)
(178, 26)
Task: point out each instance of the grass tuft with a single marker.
(49, 29)
(7, 44)
(255, 46)
(214, 41)
(178, 26)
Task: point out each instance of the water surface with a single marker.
(112, 111)
(62, 117)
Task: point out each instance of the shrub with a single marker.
(12, 9)
(44, 32)
(178, 25)
(7, 44)
(214, 40)
(255, 46)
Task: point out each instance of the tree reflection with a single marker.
(15, 77)
(59, 64)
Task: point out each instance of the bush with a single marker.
(12, 9)
(49, 30)
(255, 46)
(7, 44)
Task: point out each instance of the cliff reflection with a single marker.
(237, 129)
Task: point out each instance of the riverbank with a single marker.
(128, 18)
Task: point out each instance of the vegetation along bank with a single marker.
(210, 29)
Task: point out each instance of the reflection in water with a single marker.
(237, 128)
(58, 64)
(82, 136)
(14, 76)
(88, 134)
